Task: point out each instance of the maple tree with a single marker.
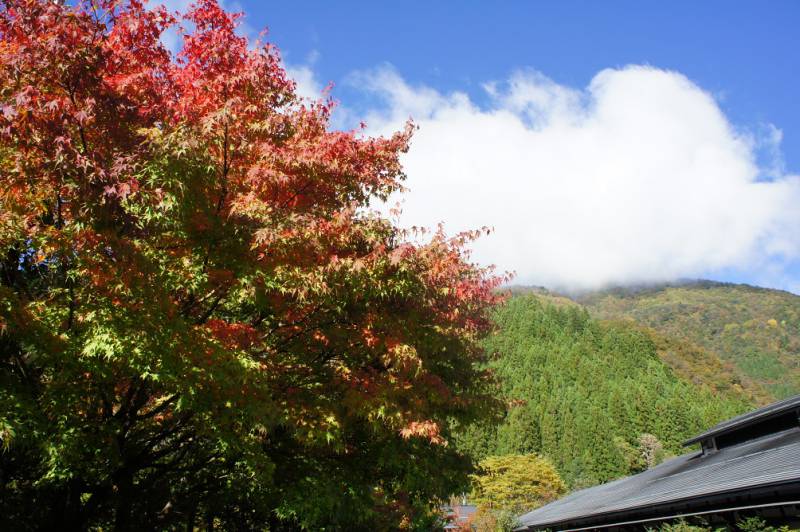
(202, 320)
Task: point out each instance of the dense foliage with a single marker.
(516, 483)
(746, 524)
(200, 317)
(757, 330)
(593, 397)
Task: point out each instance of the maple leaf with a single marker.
(197, 307)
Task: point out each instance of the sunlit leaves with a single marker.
(206, 293)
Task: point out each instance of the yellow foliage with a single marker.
(516, 483)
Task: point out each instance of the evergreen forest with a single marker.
(593, 396)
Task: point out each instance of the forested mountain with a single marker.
(596, 397)
(756, 330)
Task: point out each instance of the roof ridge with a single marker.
(747, 419)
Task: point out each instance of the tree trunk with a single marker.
(69, 516)
(122, 513)
(191, 518)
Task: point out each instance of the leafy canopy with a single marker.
(594, 397)
(755, 331)
(517, 483)
(200, 315)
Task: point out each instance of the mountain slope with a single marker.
(584, 392)
(756, 330)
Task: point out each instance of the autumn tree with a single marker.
(202, 320)
(506, 487)
(516, 483)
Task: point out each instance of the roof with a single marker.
(775, 409)
(765, 461)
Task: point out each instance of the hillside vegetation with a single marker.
(594, 397)
(755, 330)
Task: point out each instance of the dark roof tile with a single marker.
(764, 461)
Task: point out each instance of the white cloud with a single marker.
(308, 86)
(639, 177)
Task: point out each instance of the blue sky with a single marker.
(746, 53)
(728, 65)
